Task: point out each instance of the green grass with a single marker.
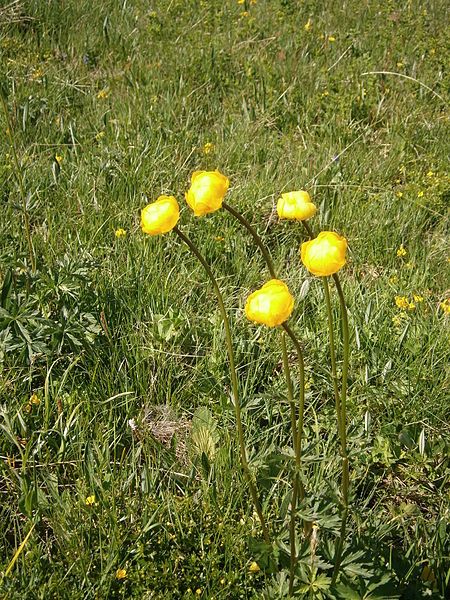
(109, 329)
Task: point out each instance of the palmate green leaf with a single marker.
(345, 592)
(381, 588)
(357, 569)
(321, 583)
(353, 568)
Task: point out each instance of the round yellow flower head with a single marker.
(271, 305)
(325, 254)
(160, 216)
(206, 192)
(296, 205)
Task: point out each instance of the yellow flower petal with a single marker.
(325, 254)
(207, 191)
(296, 205)
(121, 574)
(254, 567)
(271, 305)
(160, 216)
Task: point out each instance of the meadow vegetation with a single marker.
(118, 451)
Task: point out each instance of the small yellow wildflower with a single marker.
(401, 251)
(120, 232)
(90, 500)
(399, 194)
(37, 74)
(102, 94)
(241, 1)
(34, 399)
(308, 25)
(325, 94)
(411, 306)
(244, 14)
(254, 567)
(331, 38)
(208, 148)
(401, 302)
(99, 135)
(409, 265)
(430, 174)
(445, 306)
(400, 65)
(121, 574)
(58, 158)
(393, 280)
(417, 298)
(223, 581)
(420, 194)
(198, 592)
(219, 238)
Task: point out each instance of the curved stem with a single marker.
(308, 229)
(234, 381)
(255, 236)
(297, 426)
(19, 177)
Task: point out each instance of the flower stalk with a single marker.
(234, 381)
(298, 491)
(340, 399)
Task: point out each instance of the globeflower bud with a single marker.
(271, 305)
(160, 216)
(207, 191)
(296, 205)
(325, 254)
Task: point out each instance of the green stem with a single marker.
(297, 426)
(296, 480)
(326, 290)
(301, 409)
(255, 236)
(341, 403)
(19, 177)
(308, 229)
(234, 380)
(297, 434)
(343, 425)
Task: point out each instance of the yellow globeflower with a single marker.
(296, 205)
(160, 216)
(271, 305)
(325, 254)
(206, 192)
